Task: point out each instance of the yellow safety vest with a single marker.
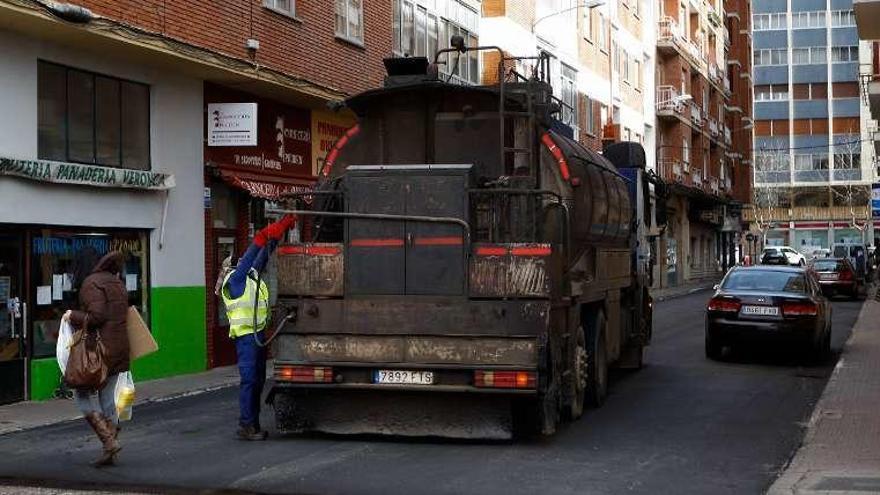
(240, 311)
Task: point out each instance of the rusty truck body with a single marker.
(469, 263)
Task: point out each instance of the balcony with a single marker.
(671, 39)
(670, 102)
(697, 178)
(806, 213)
(727, 136)
(672, 170)
(867, 13)
(696, 115)
(714, 129)
(714, 186)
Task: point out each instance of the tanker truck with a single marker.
(470, 271)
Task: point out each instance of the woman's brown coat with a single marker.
(104, 303)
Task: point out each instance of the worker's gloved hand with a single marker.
(276, 230)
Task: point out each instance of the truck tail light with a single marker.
(505, 379)
(304, 374)
(799, 309)
(724, 304)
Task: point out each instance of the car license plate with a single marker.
(760, 310)
(827, 276)
(403, 377)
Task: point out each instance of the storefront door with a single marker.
(13, 318)
(223, 353)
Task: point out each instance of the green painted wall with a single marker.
(178, 325)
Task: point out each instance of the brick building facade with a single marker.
(287, 59)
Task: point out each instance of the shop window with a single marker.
(89, 118)
(62, 259)
(349, 20)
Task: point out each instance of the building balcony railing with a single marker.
(669, 101)
(697, 177)
(727, 136)
(696, 115)
(672, 170)
(714, 130)
(670, 35)
(714, 186)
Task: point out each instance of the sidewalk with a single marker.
(684, 289)
(26, 415)
(841, 450)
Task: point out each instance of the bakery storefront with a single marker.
(256, 150)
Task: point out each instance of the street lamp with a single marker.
(586, 5)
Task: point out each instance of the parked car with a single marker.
(837, 276)
(763, 303)
(782, 255)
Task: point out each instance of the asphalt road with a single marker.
(681, 425)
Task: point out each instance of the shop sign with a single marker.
(85, 175)
(232, 124)
(875, 200)
(269, 190)
(283, 146)
(327, 128)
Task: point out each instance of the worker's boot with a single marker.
(251, 433)
(106, 431)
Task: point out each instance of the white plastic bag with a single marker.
(62, 346)
(124, 395)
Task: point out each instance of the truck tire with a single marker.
(597, 362)
(579, 373)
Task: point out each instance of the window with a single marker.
(841, 54)
(771, 92)
(588, 24)
(89, 118)
(807, 20)
(809, 55)
(625, 63)
(590, 122)
(771, 57)
(349, 20)
(685, 152)
(284, 6)
(569, 95)
(638, 73)
(843, 18)
(602, 35)
(422, 30)
(763, 22)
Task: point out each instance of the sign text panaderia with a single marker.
(86, 175)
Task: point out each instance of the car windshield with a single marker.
(826, 265)
(772, 251)
(767, 280)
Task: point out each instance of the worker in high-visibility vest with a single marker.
(246, 297)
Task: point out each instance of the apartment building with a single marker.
(697, 119)
(160, 129)
(602, 61)
(814, 163)
(867, 12)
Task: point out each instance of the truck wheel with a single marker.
(597, 363)
(579, 374)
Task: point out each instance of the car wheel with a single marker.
(714, 348)
(801, 262)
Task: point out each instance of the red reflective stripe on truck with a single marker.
(541, 250)
(310, 250)
(334, 152)
(377, 242)
(439, 241)
(491, 251)
(557, 155)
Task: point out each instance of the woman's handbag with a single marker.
(86, 369)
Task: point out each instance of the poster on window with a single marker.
(232, 124)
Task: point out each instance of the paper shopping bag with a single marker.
(140, 340)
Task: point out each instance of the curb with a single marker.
(151, 400)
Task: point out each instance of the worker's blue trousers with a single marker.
(252, 370)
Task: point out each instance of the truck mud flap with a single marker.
(409, 414)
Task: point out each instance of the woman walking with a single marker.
(104, 308)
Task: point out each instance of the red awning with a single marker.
(261, 187)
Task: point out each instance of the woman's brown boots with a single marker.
(106, 431)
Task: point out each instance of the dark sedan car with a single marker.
(769, 303)
(837, 276)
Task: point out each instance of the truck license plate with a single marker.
(403, 377)
(760, 310)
